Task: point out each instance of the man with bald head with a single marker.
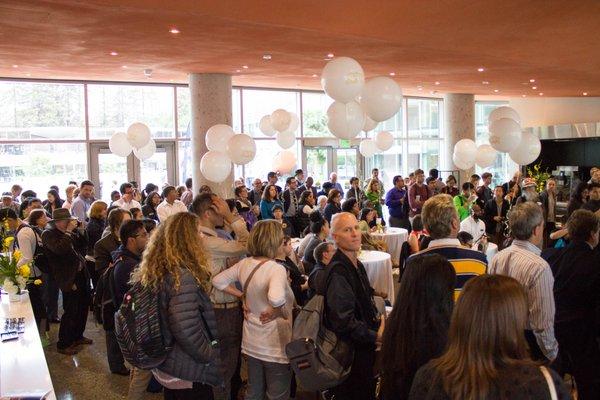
(350, 311)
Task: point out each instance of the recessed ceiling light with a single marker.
(534, 87)
(15, 66)
(541, 94)
(314, 75)
(523, 95)
(392, 74)
(245, 66)
(419, 87)
(485, 83)
(114, 53)
(437, 83)
(238, 70)
(267, 57)
(174, 31)
(124, 66)
(480, 69)
(532, 80)
(330, 55)
(496, 90)
(585, 93)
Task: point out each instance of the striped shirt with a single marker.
(522, 262)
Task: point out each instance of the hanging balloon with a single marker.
(280, 120)
(138, 135)
(294, 123)
(486, 155)
(286, 139)
(528, 150)
(367, 147)
(119, 145)
(217, 137)
(369, 124)
(345, 121)
(241, 149)
(265, 126)
(466, 150)
(343, 79)
(460, 163)
(505, 134)
(381, 98)
(146, 152)
(215, 166)
(284, 162)
(504, 112)
(384, 140)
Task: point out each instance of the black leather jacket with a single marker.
(65, 253)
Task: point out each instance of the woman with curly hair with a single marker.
(176, 265)
(374, 194)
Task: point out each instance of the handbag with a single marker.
(247, 283)
(550, 382)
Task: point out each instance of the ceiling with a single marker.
(421, 41)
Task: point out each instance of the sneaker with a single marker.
(83, 340)
(70, 351)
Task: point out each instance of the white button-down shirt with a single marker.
(164, 210)
(121, 203)
(475, 228)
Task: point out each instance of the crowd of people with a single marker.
(462, 326)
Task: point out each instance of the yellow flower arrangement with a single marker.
(7, 242)
(37, 282)
(17, 255)
(13, 278)
(24, 270)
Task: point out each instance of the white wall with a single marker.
(556, 110)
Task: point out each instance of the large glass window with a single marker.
(423, 118)
(263, 162)
(112, 108)
(185, 160)
(389, 164)
(184, 111)
(258, 103)
(314, 114)
(41, 111)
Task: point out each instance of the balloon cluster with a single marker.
(359, 104)
(137, 139)
(224, 148)
(506, 136)
(284, 124)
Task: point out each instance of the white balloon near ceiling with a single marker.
(265, 126)
(284, 162)
(286, 139)
(369, 124)
(119, 145)
(345, 121)
(505, 134)
(294, 123)
(138, 135)
(146, 152)
(217, 137)
(528, 149)
(280, 120)
(367, 147)
(384, 140)
(215, 166)
(241, 149)
(486, 156)
(466, 151)
(504, 112)
(381, 98)
(343, 79)
(460, 163)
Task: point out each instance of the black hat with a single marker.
(61, 214)
(7, 213)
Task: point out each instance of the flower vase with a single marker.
(13, 298)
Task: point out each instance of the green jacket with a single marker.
(463, 207)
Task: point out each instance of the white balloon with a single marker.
(343, 79)
(528, 150)
(505, 134)
(217, 137)
(215, 166)
(486, 155)
(384, 140)
(466, 151)
(367, 147)
(286, 139)
(280, 120)
(147, 151)
(381, 98)
(265, 126)
(369, 125)
(138, 135)
(119, 145)
(345, 121)
(284, 162)
(294, 123)
(460, 163)
(241, 149)
(504, 112)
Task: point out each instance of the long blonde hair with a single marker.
(486, 334)
(174, 245)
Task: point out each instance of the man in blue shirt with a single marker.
(83, 202)
(397, 202)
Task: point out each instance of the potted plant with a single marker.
(13, 278)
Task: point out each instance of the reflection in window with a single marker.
(30, 111)
(258, 103)
(112, 108)
(38, 166)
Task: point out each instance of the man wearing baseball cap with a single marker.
(8, 202)
(65, 245)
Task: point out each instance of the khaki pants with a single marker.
(138, 382)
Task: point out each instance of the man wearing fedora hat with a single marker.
(65, 244)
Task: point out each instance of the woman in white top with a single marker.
(268, 311)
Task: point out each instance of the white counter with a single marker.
(23, 367)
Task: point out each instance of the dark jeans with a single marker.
(268, 380)
(50, 296)
(36, 296)
(76, 304)
(229, 323)
(113, 352)
(580, 356)
(198, 392)
(400, 223)
(360, 384)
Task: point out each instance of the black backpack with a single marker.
(39, 256)
(104, 300)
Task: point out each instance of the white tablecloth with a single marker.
(379, 270)
(393, 237)
(23, 368)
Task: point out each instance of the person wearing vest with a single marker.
(291, 205)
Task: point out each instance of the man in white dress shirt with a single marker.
(473, 224)
(126, 201)
(170, 205)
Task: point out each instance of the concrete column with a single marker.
(459, 123)
(211, 104)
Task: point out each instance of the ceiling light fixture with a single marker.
(245, 66)
(480, 69)
(114, 53)
(27, 74)
(174, 31)
(534, 87)
(523, 95)
(585, 93)
(437, 83)
(485, 83)
(330, 55)
(314, 75)
(532, 80)
(15, 66)
(496, 90)
(392, 74)
(419, 87)
(124, 66)
(238, 70)
(267, 57)
(541, 94)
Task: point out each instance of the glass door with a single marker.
(318, 160)
(321, 161)
(158, 169)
